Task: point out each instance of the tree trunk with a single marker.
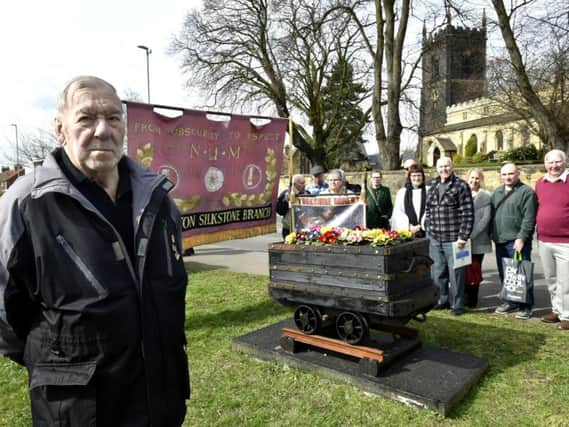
(551, 129)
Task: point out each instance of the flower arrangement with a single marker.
(319, 235)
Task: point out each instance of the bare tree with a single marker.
(30, 147)
(269, 55)
(384, 36)
(132, 95)
(535, 80)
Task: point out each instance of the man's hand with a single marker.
(460, 243)
(518, 245)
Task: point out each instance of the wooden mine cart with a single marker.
(346, 290)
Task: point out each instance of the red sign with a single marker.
(225, 173)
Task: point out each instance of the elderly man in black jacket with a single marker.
(92, 281)
(283, 202)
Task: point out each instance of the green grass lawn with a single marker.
(527, 383)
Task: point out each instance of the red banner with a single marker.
(225, 173)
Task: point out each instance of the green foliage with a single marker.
(525, 152)
(527, 383)
(471, 147)
(479, 157)
(457, 159)
(341, 97)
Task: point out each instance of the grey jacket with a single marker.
(481, 242)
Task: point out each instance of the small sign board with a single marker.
(344, 210)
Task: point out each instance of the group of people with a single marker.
(450, 211)
(93, 284)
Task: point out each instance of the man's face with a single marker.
(444, 168)
(318, 178)
(299, 185)
(91, 130)
(376, 180)
(510, 175)
(554, 165)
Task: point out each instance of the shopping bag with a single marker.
(518, 278)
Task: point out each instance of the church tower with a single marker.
(454, 70)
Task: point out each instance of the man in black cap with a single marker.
(319, 184)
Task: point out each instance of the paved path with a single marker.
(251, 256)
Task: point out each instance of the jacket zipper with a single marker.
(138, 281)
(91, 279)
(168, 250)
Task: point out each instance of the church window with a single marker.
(499, 140)
(435, 66)
(465, 116)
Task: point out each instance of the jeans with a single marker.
(506, 250)
(441, 253)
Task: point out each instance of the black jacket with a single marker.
(102, 337)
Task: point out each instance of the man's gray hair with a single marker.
(81, 82)
(558, 152)
(297, 177)
(445, 158)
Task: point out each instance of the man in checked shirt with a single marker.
(449, 218)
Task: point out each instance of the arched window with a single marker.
(499, 136)
(436, 155)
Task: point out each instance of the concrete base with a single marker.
(427, 377)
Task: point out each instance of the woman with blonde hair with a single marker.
(480, 239)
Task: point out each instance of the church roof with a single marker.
(447, 144)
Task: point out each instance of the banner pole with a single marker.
(363, 193)
(290, 160)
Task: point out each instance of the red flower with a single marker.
(329, 237)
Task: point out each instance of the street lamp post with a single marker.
(148, 52)
(17, 144)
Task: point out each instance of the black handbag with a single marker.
(518, 279)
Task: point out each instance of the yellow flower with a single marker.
(290, 238)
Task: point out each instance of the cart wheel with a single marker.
(307, 319)
(351, 327)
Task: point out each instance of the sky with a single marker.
(43, 45)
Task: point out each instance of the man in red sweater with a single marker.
(553, 235)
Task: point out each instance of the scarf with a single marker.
(408, 203)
